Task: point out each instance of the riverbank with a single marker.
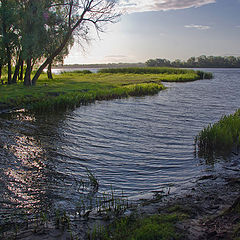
(72, 89)
(208, 210)
(210, 184)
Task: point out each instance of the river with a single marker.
(138, 146)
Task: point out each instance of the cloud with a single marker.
(199, 27)
(131, 6)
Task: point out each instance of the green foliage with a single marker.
(220, 138)
(146, 70)
(204, 75)
(78, 71)
(164, 74)
(198, 62)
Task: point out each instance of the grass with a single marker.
(146, 70)
(72, 89)
(220, 138)
(137, 228)
(184, 73)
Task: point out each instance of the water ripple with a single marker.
(138, 145)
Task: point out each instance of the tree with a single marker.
(43, 31)
(33, 34)
(80, 16)
(8, 33)
(191, 62)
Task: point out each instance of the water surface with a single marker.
(138, 145)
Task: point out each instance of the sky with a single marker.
(171, 29)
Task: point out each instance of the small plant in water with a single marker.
(93, 180)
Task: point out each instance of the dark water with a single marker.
(137, 145)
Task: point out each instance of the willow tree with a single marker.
(56, 30)
(33, 32)
(8, 33)
(79, 17)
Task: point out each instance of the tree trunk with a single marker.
(1, 74)
(14, 80)
(27, 78)
(9, 66)
(20, 77)
(58, 50)
(6, 43)
(49, 71)
(9, 72)
(51, 57)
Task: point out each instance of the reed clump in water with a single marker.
(221, 138)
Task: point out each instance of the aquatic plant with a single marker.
(93, 180)
(204, 75)
(220, 138)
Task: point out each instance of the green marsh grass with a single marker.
(70, 90)
(146, 70)
(221, 138)
(73, 89)
(182, 73)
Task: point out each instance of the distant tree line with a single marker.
(41, 32)
(198, 62)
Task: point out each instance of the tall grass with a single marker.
(220, 138)
(204, 75)
(76, 99)
(72, 89)
(157, 70)
(146, 70)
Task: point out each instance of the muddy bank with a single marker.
(212, 206)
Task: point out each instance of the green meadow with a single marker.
(72, 89)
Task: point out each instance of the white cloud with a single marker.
(199, 27)
(131, 6)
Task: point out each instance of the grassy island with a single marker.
(72, 89)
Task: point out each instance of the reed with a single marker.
(160, 70)
(221, 138)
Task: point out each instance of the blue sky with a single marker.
(172, 29)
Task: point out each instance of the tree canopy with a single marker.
(41, 32)
(198, 62)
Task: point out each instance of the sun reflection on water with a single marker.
(25, 177)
